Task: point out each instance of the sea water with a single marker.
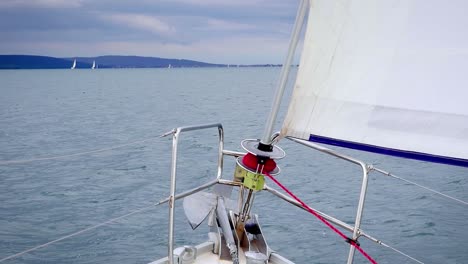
(116, 115)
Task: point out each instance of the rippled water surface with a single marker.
(49, 113)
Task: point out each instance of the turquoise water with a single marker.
(46, 113)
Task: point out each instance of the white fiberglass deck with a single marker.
(205, 255)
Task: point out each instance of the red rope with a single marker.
(310, 210)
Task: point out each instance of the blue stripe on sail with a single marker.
(390, 151)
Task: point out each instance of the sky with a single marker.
(216, 31)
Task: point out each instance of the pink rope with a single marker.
(310, 210)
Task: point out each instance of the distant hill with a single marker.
(45, 62)
(37, 62)
(111, 61)
(143, 62)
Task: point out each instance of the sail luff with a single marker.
(384, 76)
(268, 131)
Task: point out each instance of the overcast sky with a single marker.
(219, 31)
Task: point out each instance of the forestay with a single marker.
(385, 76)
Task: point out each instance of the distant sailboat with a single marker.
(170, 66)
(74, 65)
(94, 65)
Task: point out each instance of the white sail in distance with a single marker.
(94, 65)
(73, 65)
(385, 76)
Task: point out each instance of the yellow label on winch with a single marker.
(254, 181)
(239, 173)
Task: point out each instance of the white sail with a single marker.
(386, 76)
(74, 65)
(94, 65)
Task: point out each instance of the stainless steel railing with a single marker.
(171, 200)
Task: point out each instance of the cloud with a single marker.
(140, 22)
(236, 32)
(41, 3)
(221, 3)
(218, 24)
